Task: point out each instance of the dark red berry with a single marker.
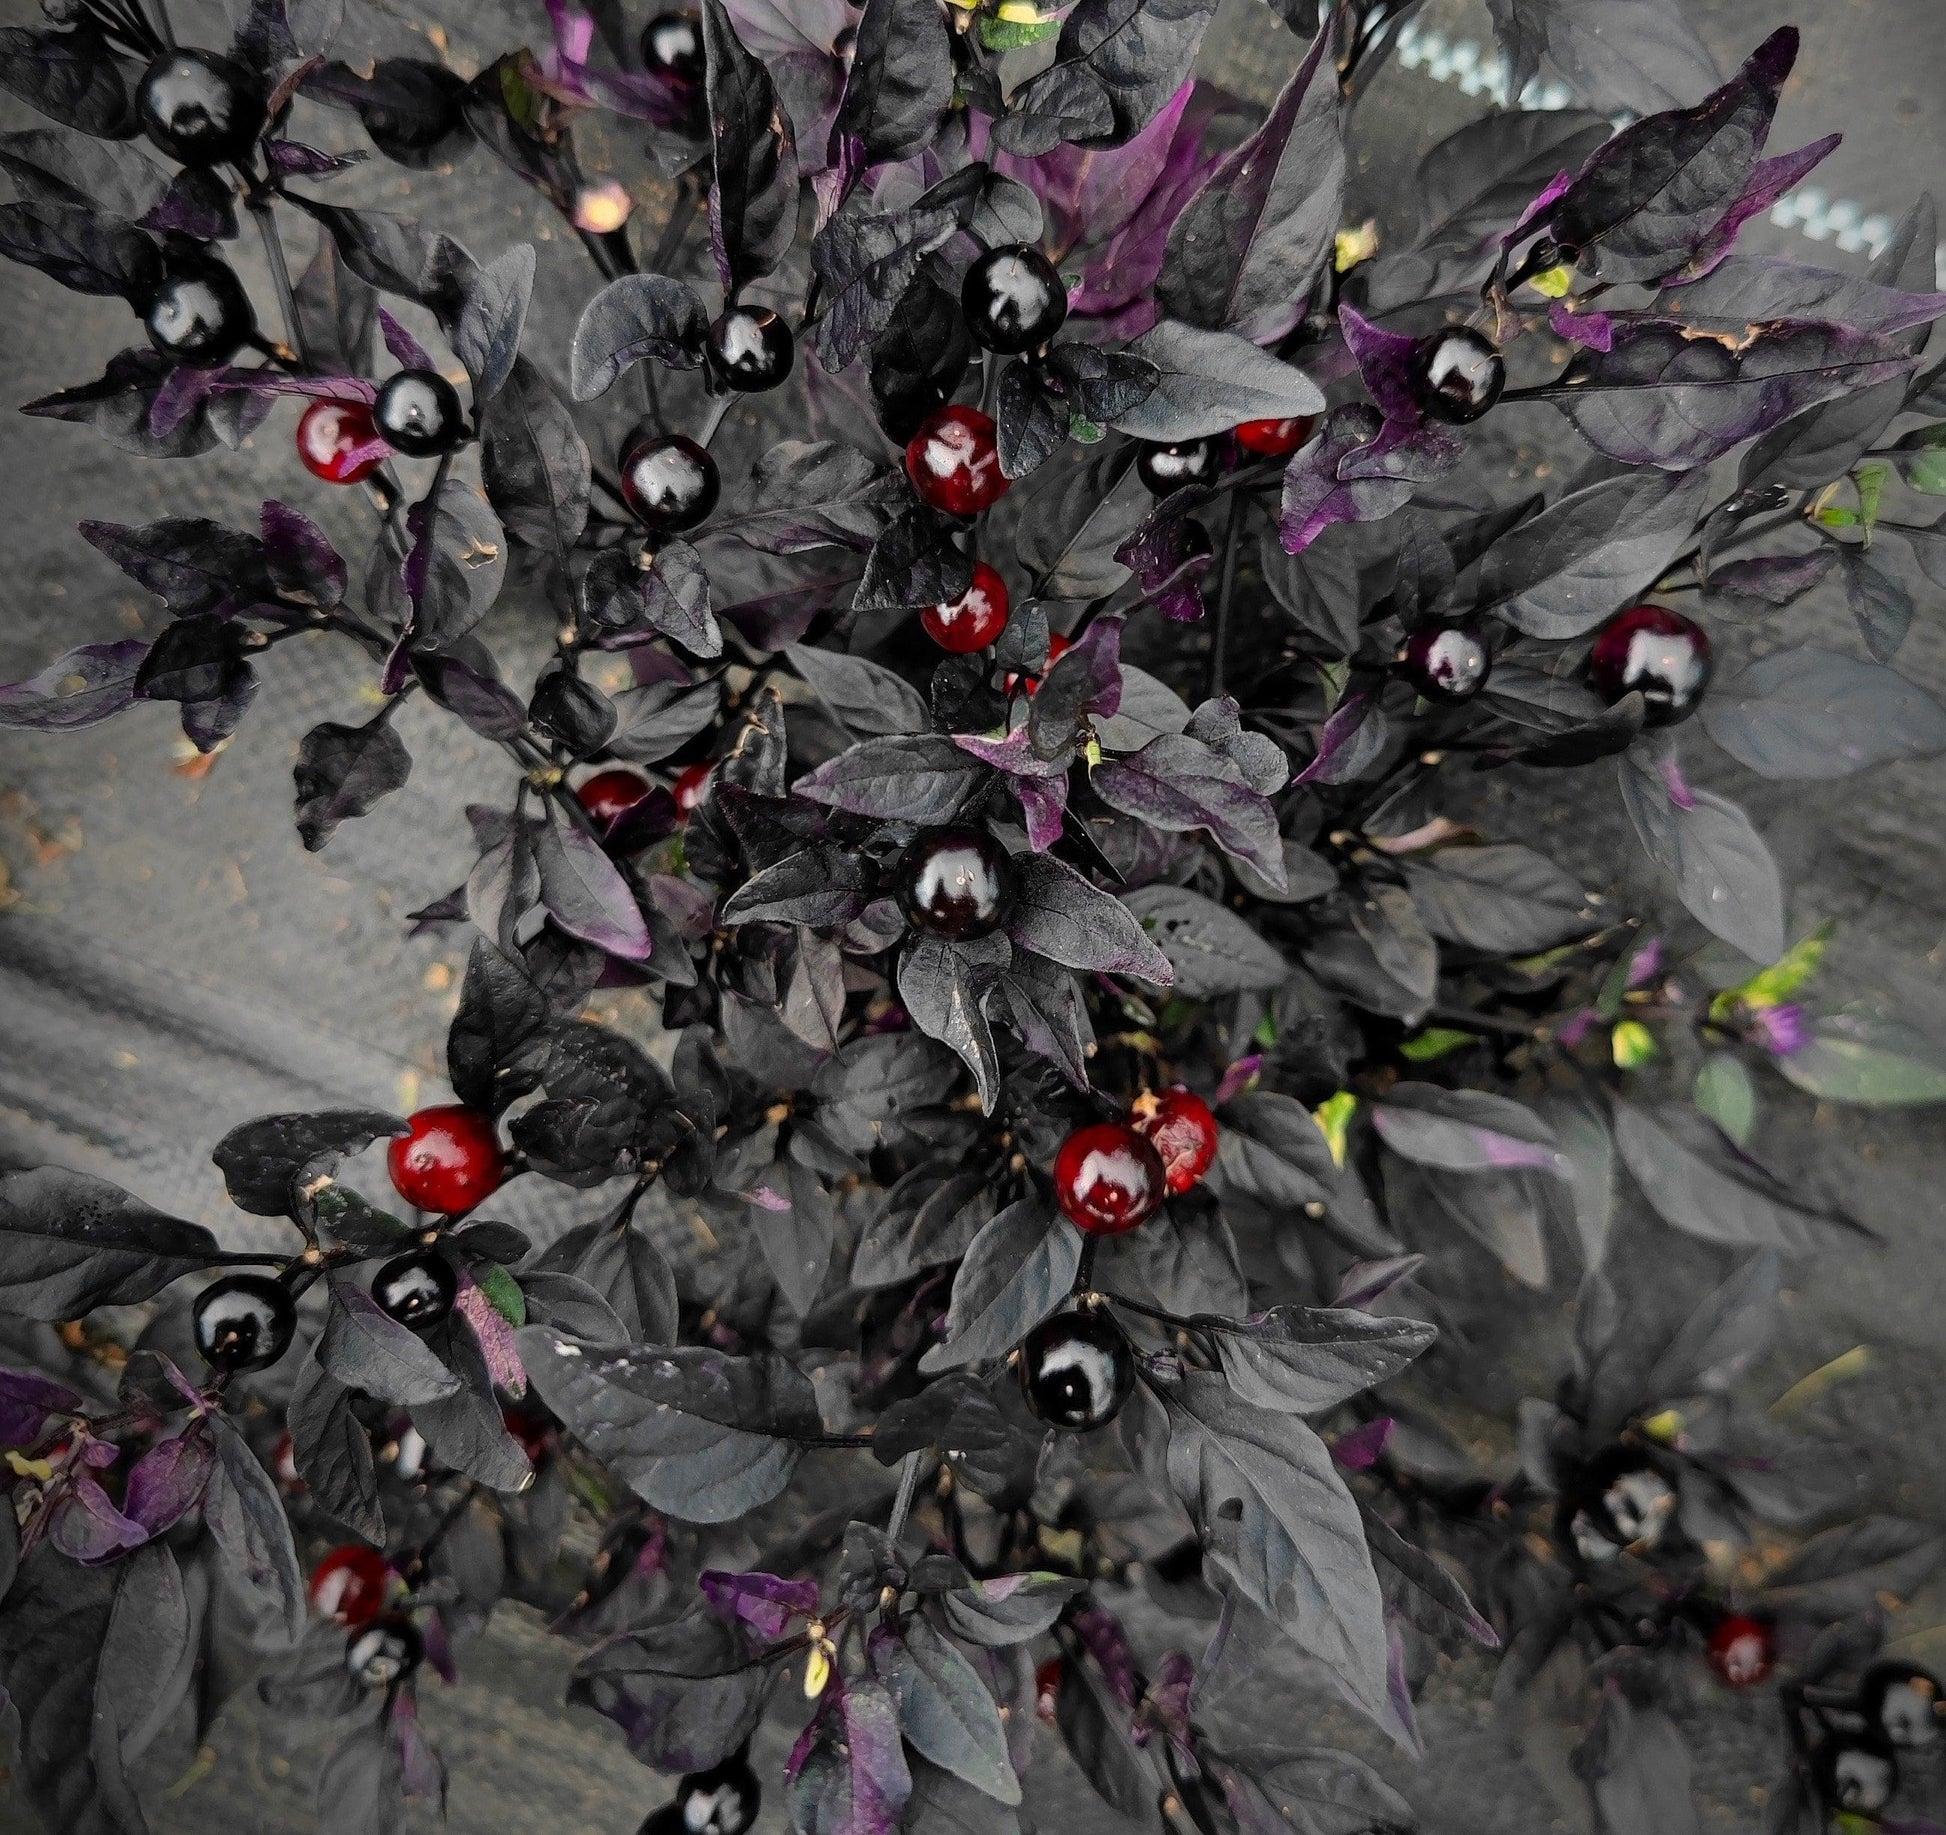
(1664, 654)
(1108, 1179)
(338, 442)
(1179, 1125)
(692, 785)
(1456, 375)
(955, 882)
(750, 349)
(199, 107)
(417, 1289)
(1168, 468)
(386, 1651)
(954, 461)
(1902, 1702)
(200, 316)
(418, 413)
(534, 1432)
(1076, 1370)
(1047, 1688)
(1013, 300)
(611, 793)
(1057, 647)
(1854, 1771)
(721, 1801)
(973, 620)
(350, 1586)
(669, 481)
(1741, 1650)
(672, 47)
(243, 1322)
(1448, 663)
(1274, 439)
(448, 1160)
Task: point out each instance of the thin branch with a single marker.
(280, 274)
(1232, 535)
(908, 1488)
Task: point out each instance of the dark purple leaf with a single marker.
(245, 1517)
(1018, 1270)
(26, 1403)
(1177, 783)
(762, 1601)
(900, 81)
(944, 990)
(1466, 1131)
(686, 1694)
(84, 252)
(638, 316)
(533, 462)
(813, 494)
(70, 77)
(916, 561)
(586, 895)
(1813, 713)
(264, 1161)
(753, 199)
(1639, 56)
(866, 261)
(88, 685)
(487, 337)
(167, 1482)
(73, 1243)
(1748, 289)
(847, 1775)
(1771, 579)
(1384, 360)
(1349, 741)
(1212, 950)
(1031, 415)
(1060, 915)
(1210, 381)
(921, 778)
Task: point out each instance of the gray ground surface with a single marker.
(171, 961)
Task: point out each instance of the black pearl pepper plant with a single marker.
(1125, 1107)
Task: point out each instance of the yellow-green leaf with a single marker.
(1435, 1042)
(1771, 987)
(1631, 1044)
(1333, 1117)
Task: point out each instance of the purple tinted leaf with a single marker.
(1314, 498)
(1104, 1639)
(586, 895)
(1210, 381)
(1810, 713)
(848, 1774)
(1169, 569)
(638, 316)
(1466, 1131)
(406, 350)
(292, 159)
(1768, 182)
(1085, 681)
(301, 561)
(1060, 915)
(493, 1332)
(1177, 783)
(1592, 330)
(1351, 738)
(753, 190)
(167, 1481)
(921, 777)
(764, 1602)
(85, 1525)
(26, 1402)
(1771, 579)
(196, 204)
(1663, 396)
(1383, 358)
(1749, 289)
(1365, 1282)
(87, 685)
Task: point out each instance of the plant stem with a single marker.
(718, 409)
(908, 1488)
(1232, 533)
(280, 274)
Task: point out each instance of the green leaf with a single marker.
(1725, 1093)
(1927, 473)
(1435, 1042)
(1875, 1063)
(503, 1291)
(1089, 433)
(1631, 1044)
(1333, 1117)
(1870, 481)
(1608, 1002)
(1012, 34)
(1774, 985)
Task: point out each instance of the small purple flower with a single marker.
(1779, 1030)
(1646, 964)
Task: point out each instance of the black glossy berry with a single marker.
(751, 349)
(955, 882)
(670, 482)
(200, 108)
(1013, 300)
(1902, 1702)
(243, 1322)
(200, 316)
(1447, 663)
(417, 1289)
(1855, 1771)
(672, 47)
(1621, 1501)
(1457, 375)
(1664, 654)
(1168, 468)
(418, 413)
(386, 1651)
(721, 1801)
(1076, 1370)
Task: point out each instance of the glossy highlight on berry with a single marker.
(448, 1160)
(1660, 652)
(670, 482)
(1447, 663)
(1180, 1126)
(243, 1322)
(972, 621)
(1013, 300)
(1108, 1179)
(1076, 1370)
(955, 882)
(338, 442)
(954, 461)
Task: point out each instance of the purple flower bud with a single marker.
(1779, 1030)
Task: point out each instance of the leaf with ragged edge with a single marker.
(945, 990)
(1116, 64)
(684, 1692)
(867, 697)
(1212, 950)
(847, 1775)
(1176, 783)
(753, 196)
(1210, 381)
(1637, 56)
(1564, 571)
(343, 772)
(1648, 199)
(867, 260)
(1466, 1131)
(364, 1348)
(945, 1710)
(1506, 900)
(245, 1515)
(1248, 247)
(636, 317)
(1016, 1271)
(1279, 1525)
(586, 895)
(1306, 1359)
(813, 494)
(1723, 871)
(1811, 713)
(696, 1434)
(1700, 1182)
(487, 336)
(900, 81)
(73, 1242)
(1747, 289)
(1058, 914)
(1662, 396)
(83, 687)
(923, 777)
(534, 463)
(264, 1161)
